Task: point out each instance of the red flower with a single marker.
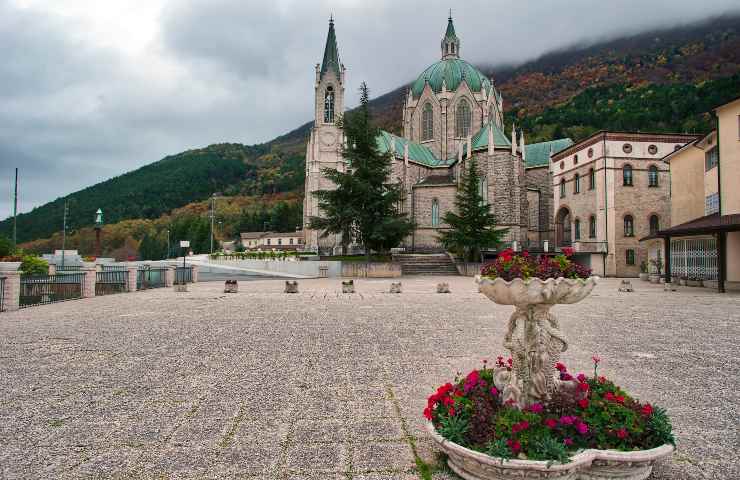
(568, 251)
(602, 379)
(583, 403)
(428, 413)
(514, 445)
(559, 366)
(448, 401)
(647, 410)
(596, 359)
(494, 391)
(581, 377)
(566, 377)
(619, 399)
(506, 254)
(568, 441)
(518, 427)
(609, 396)
(582, 428)
(452, 411)
(622, 433)
(536, 408)
(550, 423)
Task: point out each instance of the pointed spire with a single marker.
(513, 139)
(331, 52)
(491, 145)
(524, 150)
(450, 42)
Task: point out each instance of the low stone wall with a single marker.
(468, 269)
(371, 270)
(304, 269)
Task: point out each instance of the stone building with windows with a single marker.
(452, 112)
(611, 189)
(702, 241)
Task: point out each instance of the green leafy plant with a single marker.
(33, 265)
(454, 427)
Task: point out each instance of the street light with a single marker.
(168, 243)
(98, 227)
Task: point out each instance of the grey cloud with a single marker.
(74, 113)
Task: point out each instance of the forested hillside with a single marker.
(663, 81)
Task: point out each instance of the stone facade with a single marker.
(444, 126)
(590, 181)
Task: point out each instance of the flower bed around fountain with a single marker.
(528, 417)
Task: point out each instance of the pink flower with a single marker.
(583, 403)
(514, 445)
(536, 408)
(622, 433)
(582, 428)
(518, 427)
(566, 377)
(596, 359)
(567, 420)
(494, 391)
(568, 441)
(568, 251)
(550, 423)
(581, 377)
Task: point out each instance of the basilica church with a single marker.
(451, 113)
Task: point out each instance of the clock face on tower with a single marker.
(328, 138)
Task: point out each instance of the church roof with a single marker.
(538, 154)
(451, 71)
(480, 139)
(417, 153)
(450, 33)
(331, 52)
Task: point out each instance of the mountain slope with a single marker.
(662, 80)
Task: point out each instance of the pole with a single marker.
(15, 211)
(168, 243)
(213, 216)
(64, 232)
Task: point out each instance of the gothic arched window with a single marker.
(592, 227)
(462, 119)
(629, 226)
(329, 105)
(435, 213)
(577, 183)
(653, 176)
(627, 175)
(591, 179)
(654, 224)
(577, 228)
(483, 190)
(427, 122)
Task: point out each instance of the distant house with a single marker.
(273, 240)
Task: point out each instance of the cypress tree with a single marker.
(473, 227)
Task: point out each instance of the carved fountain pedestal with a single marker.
(535, 341)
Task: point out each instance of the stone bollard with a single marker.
(52, 269)
(169, 276)
(396, 287)
(669, 287)
(132, 272)
(348, 286)
(625, 286)
(88, 282)
(195, 273)
(11, 288)
(291, 287)
(231, 286)
(443, 288)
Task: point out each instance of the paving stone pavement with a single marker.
(325, 385)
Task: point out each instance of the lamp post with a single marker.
(98, 227)
(168, 243)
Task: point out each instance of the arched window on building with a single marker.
(562, 188)
(427, 122)
(629, 226)
(463, 119)
(591, 179)
(652, 176)
(627, 175)
(577, 184)
(435, 213)
(592, 226)
(483, 190)
(329, 105)
(654, 224)
(577, 227)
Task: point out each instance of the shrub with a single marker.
(509, 266)
(33, 265)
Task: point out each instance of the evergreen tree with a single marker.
(473, 227)
(364, 204)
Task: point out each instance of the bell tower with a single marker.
(450, 42)
(325, 143)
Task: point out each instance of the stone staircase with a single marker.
(425, 264)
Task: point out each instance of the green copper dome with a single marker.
(452, 71)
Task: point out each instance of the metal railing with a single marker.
(183, 275)
(68, 268)
(111, 281)
(2, 294)
(113, 268)
(43, 289)
(150, 277)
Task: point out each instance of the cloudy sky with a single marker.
(90, 89)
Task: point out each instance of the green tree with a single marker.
(473, 227)
(364, 205)
(6, 247)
